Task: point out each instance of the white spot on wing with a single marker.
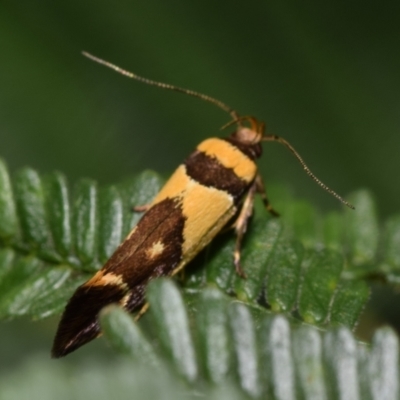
(101, 279)
(156, 249)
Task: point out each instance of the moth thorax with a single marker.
(247, 136)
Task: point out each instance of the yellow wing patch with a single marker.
(203, 207)
(175, 185)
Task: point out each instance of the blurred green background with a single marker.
(324, 75)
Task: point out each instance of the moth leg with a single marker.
(142, 208)
(241, 226)
(261, 191)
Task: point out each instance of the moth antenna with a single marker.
(228, 124)
(234, 114)
(238, 120)
(163, 85)
(275, 138)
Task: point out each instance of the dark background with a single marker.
(324, 75)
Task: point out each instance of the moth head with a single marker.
(248, 135)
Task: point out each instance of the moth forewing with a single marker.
(194, 205)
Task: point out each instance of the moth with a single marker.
(216, 184)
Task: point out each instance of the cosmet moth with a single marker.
(214, 186)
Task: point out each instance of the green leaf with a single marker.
(362, 229)
(30, 199)
(273, 358)
(245, 348)
(170, 319)
(80, 231)
(391, 245)
(6, 266)
(277, 361)
(138, 191)
(284, 272)
(61, 286)
(258, 247)
(59, 213)
(111, 222)
(125, 336)
(8, 215)
(383, 366)
(340, 350)
(303, 222)
(213, 337)
(23, 298)
(52, 240)
(349, 302)
(16, 272)
(219, 267)
(121, 379)
(322, 273)
(85, 223)
(308, 359)
(333, 230)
